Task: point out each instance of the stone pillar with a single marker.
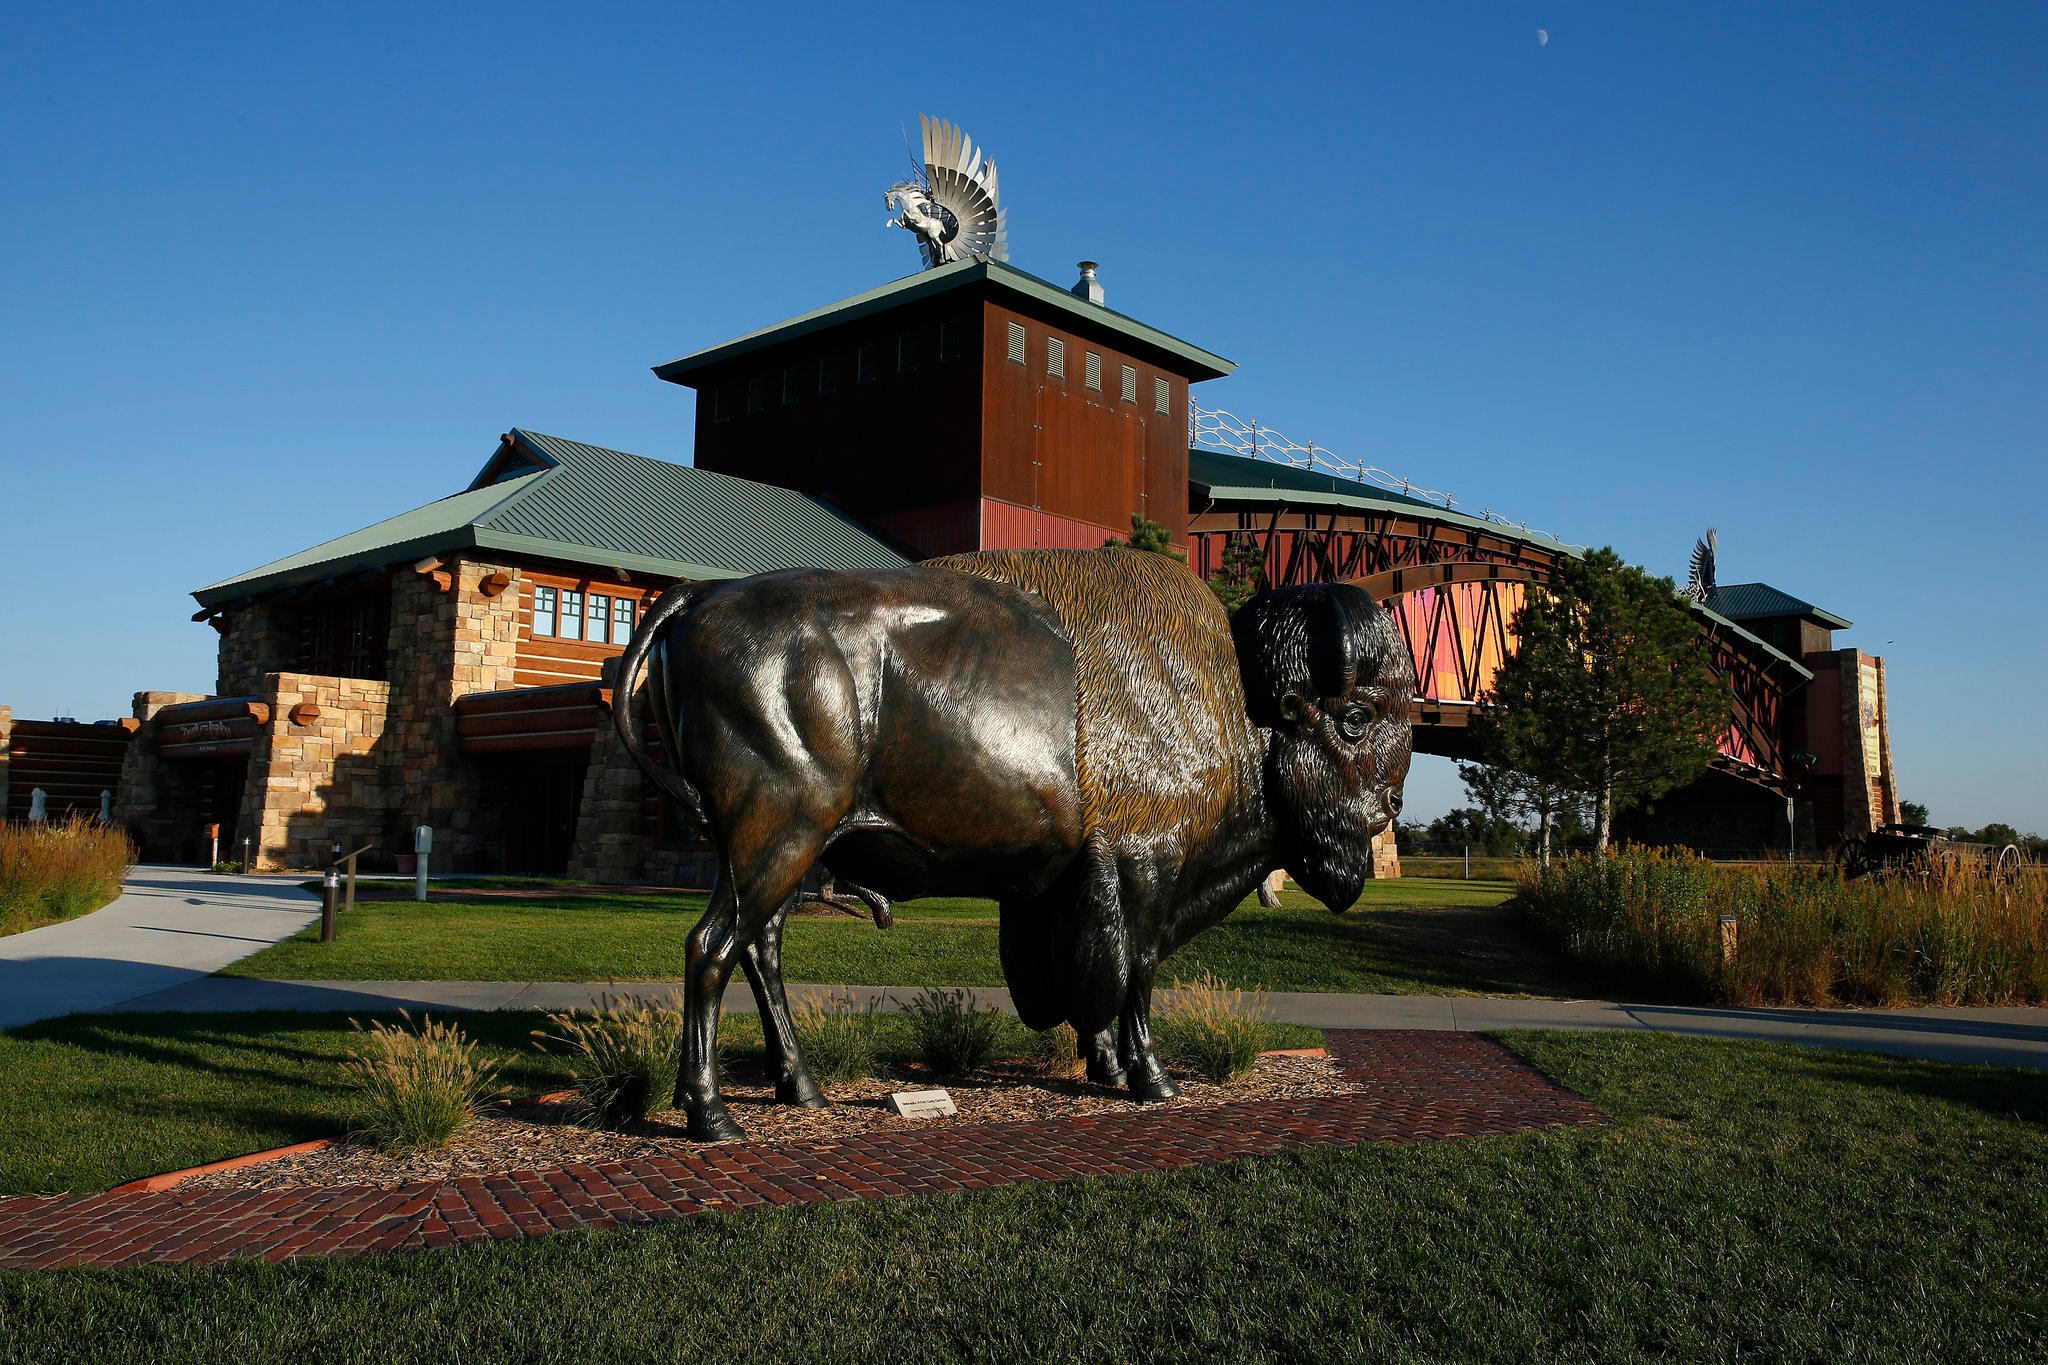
(6, 751)
(447, 639)
(1869, 789)
(316, 775)
(611, 843)
(1386, 854)
(154, 800)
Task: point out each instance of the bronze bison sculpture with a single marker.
(1081, 735)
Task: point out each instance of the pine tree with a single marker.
(1608, 691)
(1236, 580)
(1147, 534)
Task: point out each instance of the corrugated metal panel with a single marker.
(1748, 601)
(435, 521)
(616, 501)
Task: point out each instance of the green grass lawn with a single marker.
(1751, 1202)
(92, 1101)
(1406, 936)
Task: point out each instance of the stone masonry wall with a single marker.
(259, 640)
(319, 778)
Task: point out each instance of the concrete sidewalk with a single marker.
(169, 925)
(1995, 1036)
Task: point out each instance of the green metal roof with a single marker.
(584, 504)
(1235, 478)
(1197, 363)
(1751, 601)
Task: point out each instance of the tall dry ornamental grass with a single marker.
(418, 1088)
(1804, 935)
(1210, 1029)
(626, 1058)
(837, 1036)
(58, 870)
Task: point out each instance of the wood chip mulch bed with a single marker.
(546, 1133)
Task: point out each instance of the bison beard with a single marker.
(1325, 815)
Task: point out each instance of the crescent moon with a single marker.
(1543, 37)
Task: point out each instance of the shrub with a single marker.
(1212, 1030)
(418, 1089)
(1057, 1051)
(228, 867)
(1804, 935)
(626, 1056)
(837, 1036)
(952, 1034)
(59, 870)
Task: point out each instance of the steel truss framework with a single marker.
(1453, 590)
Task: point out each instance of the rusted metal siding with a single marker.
(1050, 444)
(904, 441)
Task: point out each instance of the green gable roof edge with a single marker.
(928, 283)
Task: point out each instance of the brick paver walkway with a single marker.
(1418, 1085)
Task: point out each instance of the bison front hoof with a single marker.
(1149, 1081)
(713, 1124)
(801, 1091)
(1104, 1074)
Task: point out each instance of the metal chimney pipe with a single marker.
(1086, 287)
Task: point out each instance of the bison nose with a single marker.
(1394, 803)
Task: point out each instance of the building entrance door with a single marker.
(542, 801)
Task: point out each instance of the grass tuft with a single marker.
(625, 1056)
(59, 870)
(1057, 1052)
(418, 1088)
(1209, 1028)
(1804, 935)
(953, 1034)
(837, 1036)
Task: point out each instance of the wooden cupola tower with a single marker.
(970, 406)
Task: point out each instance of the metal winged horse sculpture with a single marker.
(951, 205)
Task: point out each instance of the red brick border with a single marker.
(1418, 1085)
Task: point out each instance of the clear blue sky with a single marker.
(270, 274)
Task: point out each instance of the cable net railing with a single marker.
(1220, 430)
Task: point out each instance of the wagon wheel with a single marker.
(1853, 857)
(2010, 867)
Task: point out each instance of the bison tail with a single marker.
(647, 650)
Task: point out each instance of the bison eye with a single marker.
(1354, 722)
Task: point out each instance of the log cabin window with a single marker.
(906, 353)
(1162, 396)
(789, 386)
(346, 638)
(825, 375)
(1130, 383)
(1017, 343)
(1055, 358)
(543, 611)
(949, 341)
(864, 365)
(757, 394)
(572, 614)
(600, 616)
(622, 620)
(721, 404)
(1094, 372)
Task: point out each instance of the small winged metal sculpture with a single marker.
(951, 204)
(1699, 584)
